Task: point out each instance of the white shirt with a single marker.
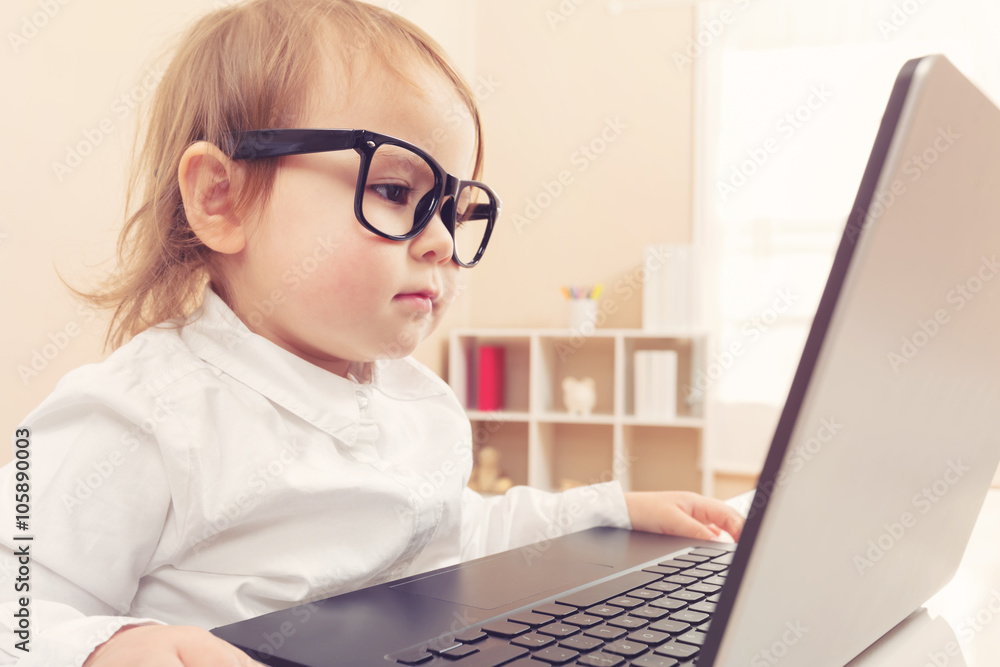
(203, 475)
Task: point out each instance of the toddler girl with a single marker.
(302, 206)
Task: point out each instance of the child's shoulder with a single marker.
(136, 373)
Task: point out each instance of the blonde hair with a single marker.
(248, 66)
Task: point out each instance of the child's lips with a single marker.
(422, 301)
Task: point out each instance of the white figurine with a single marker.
(579, 395)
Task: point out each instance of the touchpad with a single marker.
(499, 581)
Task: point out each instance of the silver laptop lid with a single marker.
(891, 432)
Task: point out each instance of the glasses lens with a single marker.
(399, 190)
(473, 214)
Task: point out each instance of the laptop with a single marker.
(879, 464)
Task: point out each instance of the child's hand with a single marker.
(167, 646)
(682, 513)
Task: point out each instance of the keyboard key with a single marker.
(668, 603)
(558, 630)
(688, 616)
(581, 643)
(628, 622)
(605, 632)
(645, 594)
(704, 607)
(505, 629)
(692, 557)
(553, 609)
(414, 657)
(626, 648)
(713, 567)
(583, 620)
(625, 601)
(663, 587)
(686, 595)
(470, 636)
(711, 553)
(601, 660)
(649, 613)
(654, 661)
(659, 569)
(605, 611)
(588, 597)
(493, 656)
(533, 640)
(458, 652)
(676, 650)
(647, 636)
(699, 573)
(530, 619)
(673, 627)
(556, 655)
(715, 581)
(693, 637)
(681, 579)
(724, 560)
(704, 588)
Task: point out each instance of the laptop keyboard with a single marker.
(654, 617)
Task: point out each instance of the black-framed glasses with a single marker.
(399, 186)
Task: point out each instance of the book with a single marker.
(655, 389)
(492, 378)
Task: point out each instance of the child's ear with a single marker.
(209, 183)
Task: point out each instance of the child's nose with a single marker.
(434, 243)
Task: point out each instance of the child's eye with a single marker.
(392, 192)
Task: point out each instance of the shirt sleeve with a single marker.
(91, 538)
(525, 515)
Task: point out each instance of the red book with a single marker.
(491, 378)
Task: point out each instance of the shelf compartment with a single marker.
(463, 373)
(577, 453)
(669, 458)
(686, 350)
(560, 357)
(510, 439)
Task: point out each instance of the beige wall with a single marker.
(545, 91)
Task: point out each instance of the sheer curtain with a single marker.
(790, 96)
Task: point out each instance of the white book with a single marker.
(655, 388)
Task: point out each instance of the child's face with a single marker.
(311, 278)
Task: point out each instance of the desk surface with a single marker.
(960, 626)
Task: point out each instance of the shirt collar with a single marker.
(324, 399)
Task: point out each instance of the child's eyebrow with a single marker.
(398, 158)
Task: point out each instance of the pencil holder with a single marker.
(583, 315)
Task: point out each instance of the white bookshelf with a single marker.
(541, 444)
